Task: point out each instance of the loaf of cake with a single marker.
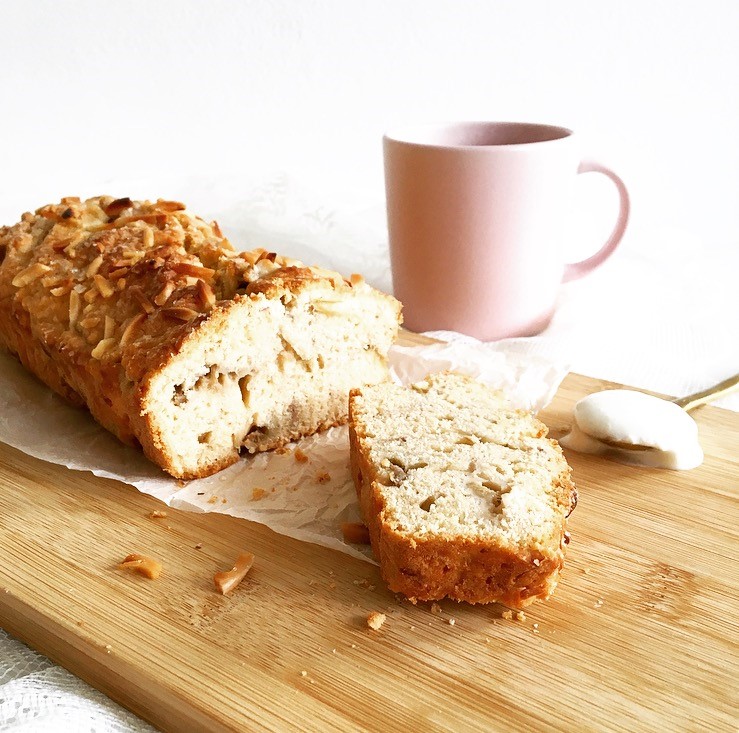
(464, 496)
(146, 315)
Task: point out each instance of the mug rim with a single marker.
(413, 134)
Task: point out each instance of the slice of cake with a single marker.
(147, 315)
(464, 496)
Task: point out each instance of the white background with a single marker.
(97, 91)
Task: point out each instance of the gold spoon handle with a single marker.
(708, 395)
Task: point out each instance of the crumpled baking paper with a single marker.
(305, 500)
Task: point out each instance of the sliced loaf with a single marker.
(147, 315)
(464, 496)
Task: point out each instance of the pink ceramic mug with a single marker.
(477, 215)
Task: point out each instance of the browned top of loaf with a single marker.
(125, 281)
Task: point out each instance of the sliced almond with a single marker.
(146, 566)
(94, 266)
(69, 250)
(74, 307)
(251, 257)
(140, 296)
(48, 213)
(89, 322)
(205, 294)
(148, 238)
(115, 208)
(187, 268)
(132, 325)
(159, 219)
(163, 295)
(104, 345)
(51, 280)
(227, 580)
(103, 285)
(60, 244)
(180, 313)
(109, 328)
(170, 205)
(29, 274)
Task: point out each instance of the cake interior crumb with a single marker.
(375, 620)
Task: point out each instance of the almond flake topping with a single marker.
(30, 274)
(103, 285)
(74, 307)
(109, 327)
(140, 296)
(163, 295)
(133, 324)
(104, 345)
(187, 268)
(180, 313)
(205, 294)
(94, 266)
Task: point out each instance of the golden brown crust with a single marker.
(97, 296)
(436, 567)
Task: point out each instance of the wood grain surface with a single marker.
(641, 634)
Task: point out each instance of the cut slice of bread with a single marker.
(464, 496)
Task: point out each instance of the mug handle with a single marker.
(576, 270)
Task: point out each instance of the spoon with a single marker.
(708, 395)
(634, 427)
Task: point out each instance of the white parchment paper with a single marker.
(307, 500)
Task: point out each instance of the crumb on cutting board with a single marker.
(146, 566)
(300, 456)
(323, 477)
(375, 620)
(364, 583)
(226, 580)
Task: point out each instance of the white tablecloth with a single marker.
(660, 315)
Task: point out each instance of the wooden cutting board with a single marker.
(641, 634)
